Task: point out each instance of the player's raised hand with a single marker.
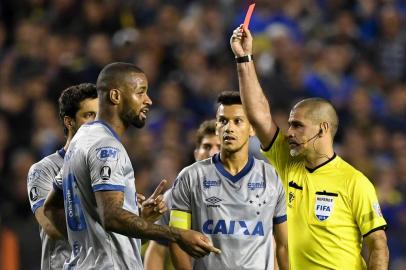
(153, 207)
(196, 244)
(241, 41)
(140, 199)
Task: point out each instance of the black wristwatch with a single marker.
(243, 59)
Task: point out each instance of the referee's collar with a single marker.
(311, 170)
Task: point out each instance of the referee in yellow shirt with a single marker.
(332, 207)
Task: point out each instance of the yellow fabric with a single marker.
(180, 219)
(335, 242)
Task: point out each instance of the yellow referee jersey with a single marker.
(330, 208)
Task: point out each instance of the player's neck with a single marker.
(68, 139)
(316, 158)
(113, 121)
(234, 162)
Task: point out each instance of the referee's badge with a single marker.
(324, 206)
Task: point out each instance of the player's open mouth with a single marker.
(228, 138)
(293, 144)
(144, 112)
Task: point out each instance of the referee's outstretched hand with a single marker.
(196, 244)
(241, 41)
(153, 207)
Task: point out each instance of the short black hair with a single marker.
(207, 128)
(229, 98)
(69, 101)
(113, 75)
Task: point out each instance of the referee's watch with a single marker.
(244, 59)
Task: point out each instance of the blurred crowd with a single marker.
(350, 52)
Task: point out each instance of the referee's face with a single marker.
(302, 133)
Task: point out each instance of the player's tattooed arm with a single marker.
(53, 216)
(116, 219)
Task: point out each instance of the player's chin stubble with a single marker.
(131, 117)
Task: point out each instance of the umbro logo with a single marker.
(213, 201)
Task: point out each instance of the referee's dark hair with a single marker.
(229, 98)
(69, 101)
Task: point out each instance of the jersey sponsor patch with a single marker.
(34, 194)
(105, 173)
(207, 184)
(324, 206)
(107, 153)
(256, 185)
(233, 227)
(377, 209)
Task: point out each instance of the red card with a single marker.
(248, 15)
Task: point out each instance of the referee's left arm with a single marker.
(378, 253)
(371, 223)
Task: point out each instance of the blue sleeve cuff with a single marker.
(108, 187)
(279, 220)
(37, 205)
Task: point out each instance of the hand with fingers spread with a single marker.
(241, 41)
(153, 207)
(196, 244)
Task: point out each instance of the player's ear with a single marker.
(68, 122)
(195, 154)
(115, 96)
(217, 127)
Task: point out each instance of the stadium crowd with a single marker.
(350, 52)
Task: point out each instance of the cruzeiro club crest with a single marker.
(324, 205)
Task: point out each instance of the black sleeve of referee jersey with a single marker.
(266, 149)
(384, 227)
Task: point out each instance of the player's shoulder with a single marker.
(48, 162)
(262, 165)
(191, 172)
(97, 135)
(199, 165)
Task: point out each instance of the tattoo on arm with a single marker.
(119, 220)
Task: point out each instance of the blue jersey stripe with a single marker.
(279, 220)
(37, 205)
(225, 173)
(108, 187)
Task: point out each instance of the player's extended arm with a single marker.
(116, 219)
(378, 253)
(52, 216)
(180, 259)
(254, 101)
(281, 239)
(155, 256)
